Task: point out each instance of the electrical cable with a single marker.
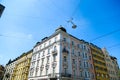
(74, 12)
(105, 35)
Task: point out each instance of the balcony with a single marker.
(65, 75)
(54, 52)
(52, 75)
(47, 66)
(54, 64)
(27, 65)
(65, 64)
(65, 52)
(41, 67)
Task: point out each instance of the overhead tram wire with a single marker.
(63, 11)
(75, 10)
(105, 35)
(115, 45)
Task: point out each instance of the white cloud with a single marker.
(18, 35)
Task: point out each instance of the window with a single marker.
(42, 61)
(48, 51)
(38, 55)
(35, 49)
(87, 74)
(34, 57)
(73, 61)
(40, 72)
(72, 43)
(86, 64)
(64, 39)
(55, 48)
(53, 70)
(74, 72)
(65, 59)
(84, 47)
(80, 73)
(46, 71)
(54, 57)
(65, 70)
(78, 53)
(91, 66)
(90, 57)
(49, 42)
(72, 51)
(43, 53)
(93, 75)
(55, 39)
(36, 71)
(84, 55)
(78, 46)
(31, 72)
(44, 44)
(40, 47)
(80, 63)
(38, 63)
(47, 59)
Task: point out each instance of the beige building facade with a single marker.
(21, 68)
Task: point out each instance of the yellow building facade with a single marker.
(101, 72)
(21, 69)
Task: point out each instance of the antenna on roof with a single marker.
(73, 25)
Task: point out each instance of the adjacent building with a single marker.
(1, 9)
(112, 65)
(1, 72)
(61, 57)
(99, 63)
(9, 69)
(119, 74)
(116, 67)
(21, 68)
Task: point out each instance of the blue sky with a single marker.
(24, 22)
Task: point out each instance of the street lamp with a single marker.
(73, 25)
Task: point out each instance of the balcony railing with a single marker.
(65, 52)
(54, 52)
(65, 64)
(54, 64)
(47, 66)
(52, 75)
(41, 67)
(65, 75)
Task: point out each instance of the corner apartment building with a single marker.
(21, 68)
(1, 72)
(99, 63)
(61, 56)
(9, 69)
(110, 65)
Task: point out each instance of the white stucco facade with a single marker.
(61, 56)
